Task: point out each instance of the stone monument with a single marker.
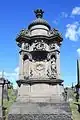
(1, 97)
(2, 83)
(78, 78)
(40, 91)
(5, 90)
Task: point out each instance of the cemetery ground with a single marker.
(8, 103)
(74, 109)
(73, 106)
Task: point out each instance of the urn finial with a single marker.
(39, 13)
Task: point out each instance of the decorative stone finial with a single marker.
(39, 13)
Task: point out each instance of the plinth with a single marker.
(40, 111)
(39, 104)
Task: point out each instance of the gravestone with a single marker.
(3, 96)
(5, 90)
(2, 81)
(40, 88)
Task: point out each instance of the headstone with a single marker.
(5, 90)
(40, 91)
(1, 97)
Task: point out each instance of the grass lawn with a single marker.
(75, 113)
(7, 104)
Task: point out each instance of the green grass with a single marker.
(75, 113)
(7, 103)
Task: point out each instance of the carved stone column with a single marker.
(26, 68)
(21, 64)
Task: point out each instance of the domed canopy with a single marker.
(39, 20)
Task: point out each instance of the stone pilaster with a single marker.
(58, 60)
(21, 66)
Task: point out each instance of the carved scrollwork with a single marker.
(31, 73)
(49, 55)
(26, 46)
(54, 32)
(28, 54)
(23, 32)
(48, 73)
(40, 67)
(39, 45)
(52, 46)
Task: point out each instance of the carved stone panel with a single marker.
(39, 69)
(51, 71)
(39, 45)
(53, 67)
(52, 46)
(26, 46)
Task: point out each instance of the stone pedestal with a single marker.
(40, 111)
(40, 93)
(40, 102)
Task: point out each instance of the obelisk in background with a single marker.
(78, 77)
(78, 71)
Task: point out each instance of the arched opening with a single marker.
(39, 55)
(25, 57)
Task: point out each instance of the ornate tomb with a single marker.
(40, 92)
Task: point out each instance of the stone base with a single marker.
(40, 93)
(40, 111)
(40, 117)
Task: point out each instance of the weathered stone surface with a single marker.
(40, 92)
(40, 117)
(40, 111)
(21, 108)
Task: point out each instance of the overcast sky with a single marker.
(63, 15)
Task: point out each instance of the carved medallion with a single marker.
(40, 67)
(39, 45)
